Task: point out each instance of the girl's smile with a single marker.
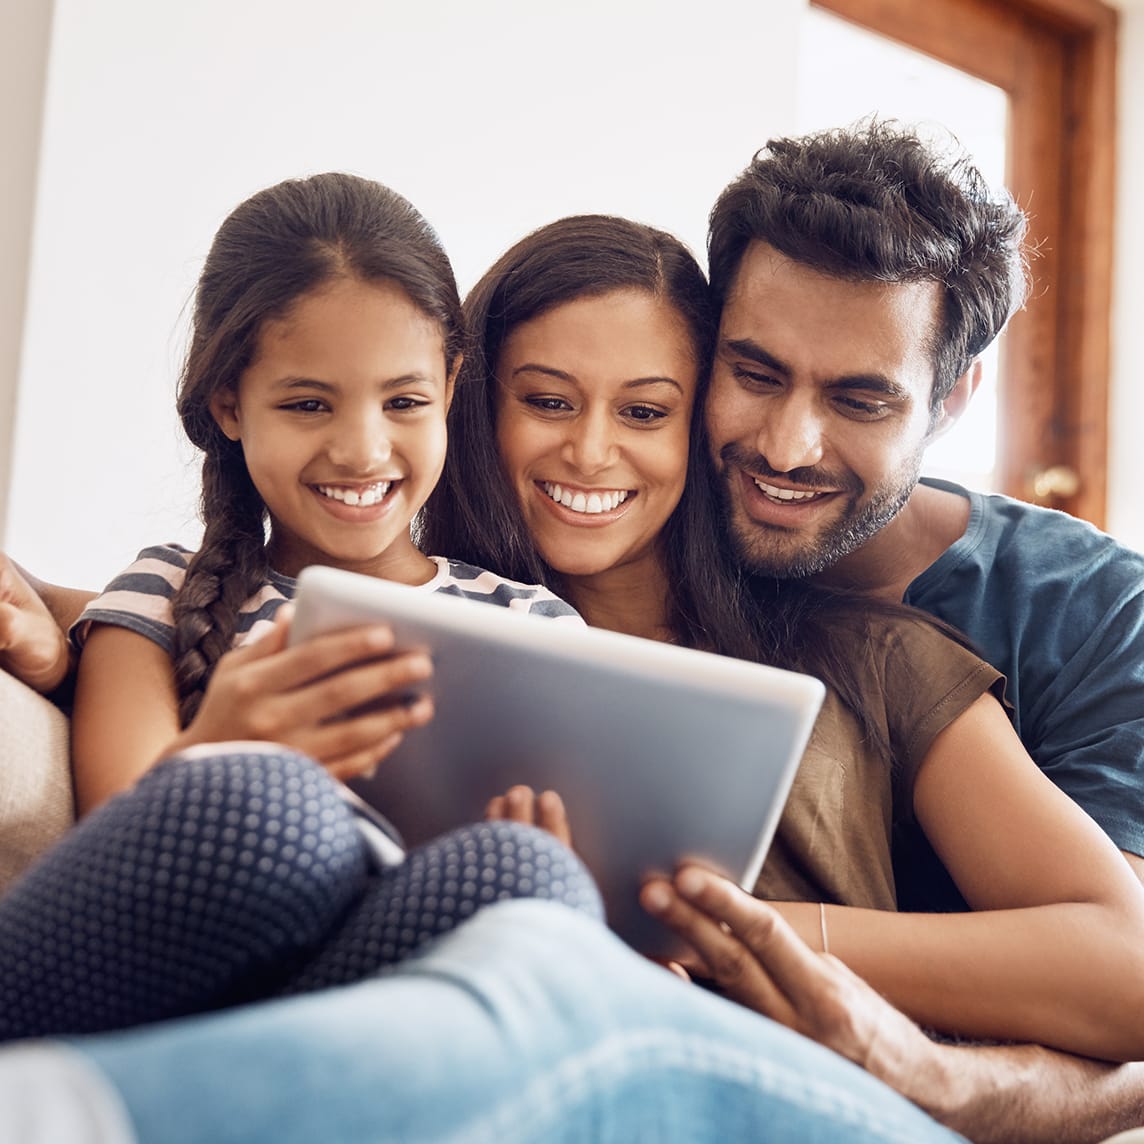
(341, 416)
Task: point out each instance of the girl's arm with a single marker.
(126, 712)
(1056, 955)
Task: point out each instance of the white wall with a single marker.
(493, 118)
(24, 35)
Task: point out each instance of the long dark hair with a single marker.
(473, 514)
(275, 248)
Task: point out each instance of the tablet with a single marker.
(660, 752)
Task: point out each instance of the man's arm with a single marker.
(999, 1094)
(34, 618)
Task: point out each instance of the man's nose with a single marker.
(792, 433)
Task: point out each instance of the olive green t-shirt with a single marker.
(833, 841)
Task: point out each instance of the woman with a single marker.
(572, 431)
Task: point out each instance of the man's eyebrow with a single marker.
(746, 347)
(866, 382)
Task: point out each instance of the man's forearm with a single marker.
(1025, 1094)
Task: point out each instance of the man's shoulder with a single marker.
(1007, 538)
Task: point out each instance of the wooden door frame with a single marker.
(1057, 61)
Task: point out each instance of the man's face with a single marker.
(818, 411)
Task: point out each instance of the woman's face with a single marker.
(594, 405)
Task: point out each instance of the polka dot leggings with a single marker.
(234, 876)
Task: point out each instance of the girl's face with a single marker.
(341, 416)
(594, 404)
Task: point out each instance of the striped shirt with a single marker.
(139, 598)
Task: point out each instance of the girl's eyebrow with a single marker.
(312, 383)
(562, 375)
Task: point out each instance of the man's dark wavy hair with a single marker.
(875, 202)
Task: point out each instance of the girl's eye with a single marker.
(548, 404)
(400, 404)
(308, 405)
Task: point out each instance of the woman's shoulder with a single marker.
(456, 578)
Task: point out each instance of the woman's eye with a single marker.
(548, 404)
(644, 413)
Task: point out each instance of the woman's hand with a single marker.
(32, 646)
(344, 698)
(522, 804)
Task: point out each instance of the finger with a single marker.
(520, 803)
(552, 816)
(495, 811)
(362, 764)
(363, 733)
(789, 962)
(293, 667)
(729, 962)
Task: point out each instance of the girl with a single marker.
(326, 339)
(590, 348)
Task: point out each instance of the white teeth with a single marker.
(371, 494)
(784, 494)
(588, 503)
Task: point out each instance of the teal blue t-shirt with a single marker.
(1058, 606)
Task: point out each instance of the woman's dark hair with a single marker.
(474, 515)
(277, 247)
(875, 202)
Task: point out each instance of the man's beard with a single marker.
(788, 554)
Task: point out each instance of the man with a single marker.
(860, 275)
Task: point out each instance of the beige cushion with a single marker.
(35, 777)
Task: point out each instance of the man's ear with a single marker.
(951, 409)
(224, 409)
(451, 380)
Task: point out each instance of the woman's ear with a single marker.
(451, 380)
(224, 409)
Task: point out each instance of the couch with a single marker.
(35, 777)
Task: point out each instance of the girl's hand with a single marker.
(345, 698)
(32, 646)
(522, 804)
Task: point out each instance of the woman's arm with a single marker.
(1056, 953)
(317, 697)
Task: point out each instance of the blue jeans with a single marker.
(530, 1022)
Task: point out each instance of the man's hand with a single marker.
(754, 957)
(32, 646)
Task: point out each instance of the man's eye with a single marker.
(864, 410)
(751, 377)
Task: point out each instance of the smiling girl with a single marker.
(326, 339)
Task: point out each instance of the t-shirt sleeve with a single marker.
(929, 680)
(139, 598)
